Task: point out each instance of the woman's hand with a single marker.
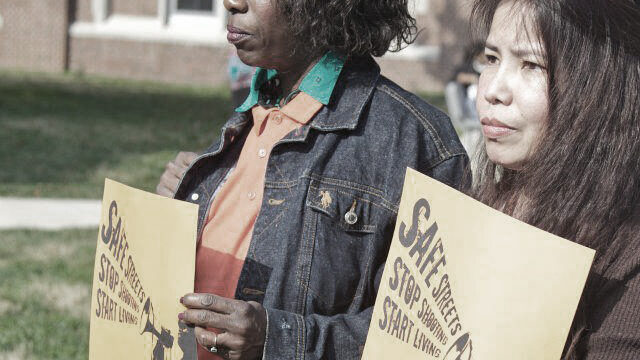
(243, 324)
(174, 170)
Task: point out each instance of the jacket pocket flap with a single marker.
(350, 210)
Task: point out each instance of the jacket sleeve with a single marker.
(342, 336)
(293, 336)
(454, 171)
(613, 331)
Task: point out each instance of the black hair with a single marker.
(582, 181)
(349, 27)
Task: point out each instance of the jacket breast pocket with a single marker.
(344, 225)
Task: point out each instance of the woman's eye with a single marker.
(529, 65)
(491, 59)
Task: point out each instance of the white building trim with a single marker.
(147, 29)
(170, 25)
(99, 10)
(414, 52)
(163, 11)
(178, 27)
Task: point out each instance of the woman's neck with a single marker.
(291, 78)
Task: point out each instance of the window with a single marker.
(200, 22)
(204, 17)
(196, 5)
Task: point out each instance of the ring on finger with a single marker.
(213, 348)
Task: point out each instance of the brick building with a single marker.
(184, 41)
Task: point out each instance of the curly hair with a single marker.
(349, 27)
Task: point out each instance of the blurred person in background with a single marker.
(460, 95)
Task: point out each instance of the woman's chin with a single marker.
(249, 57)
(504, 156)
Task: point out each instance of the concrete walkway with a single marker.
(48, 214)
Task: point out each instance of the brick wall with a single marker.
(445, 25)
(174, 63)
(135, 7)
(83, 11)
(33, 34)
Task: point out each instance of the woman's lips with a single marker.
(493, 128)
(235, 35)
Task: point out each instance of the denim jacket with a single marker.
(331, 196)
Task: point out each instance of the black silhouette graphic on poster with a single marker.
(461, 349)
(120, 294)
(162, 340)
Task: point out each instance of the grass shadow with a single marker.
(61, 135)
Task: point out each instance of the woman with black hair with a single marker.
(559, 103)
(299, 197)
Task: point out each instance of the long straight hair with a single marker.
(582, 181)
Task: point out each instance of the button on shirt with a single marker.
(229, 225)
(226, 236)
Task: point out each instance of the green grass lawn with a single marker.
(45, 293)
(61, 135)
(434, 98)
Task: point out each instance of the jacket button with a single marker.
(195, 197)
(351, 217)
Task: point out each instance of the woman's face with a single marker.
(512, 97)
(259, 33)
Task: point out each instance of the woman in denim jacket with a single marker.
(298, 199)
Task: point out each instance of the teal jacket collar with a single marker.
(318, 83)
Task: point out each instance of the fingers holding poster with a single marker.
(460, 275)
(145, 260)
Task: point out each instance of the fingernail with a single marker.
(181, 316)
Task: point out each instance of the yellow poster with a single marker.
(145, 261)
(464, 281)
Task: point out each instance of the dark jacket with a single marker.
(330, 202)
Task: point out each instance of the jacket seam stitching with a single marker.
(360, 291)
(333, 181)
(298, 338)
(268, 226)
(358, 114)
(444, 160)
(305, 286)
(347, 185)
(427, 125)
(281, 184)
(301, 331)
(382, 205)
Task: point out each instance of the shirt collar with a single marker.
(301, 110)
(318, 83)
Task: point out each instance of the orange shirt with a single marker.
(226, 236)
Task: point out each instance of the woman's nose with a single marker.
(236, 6)
(498, 88)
